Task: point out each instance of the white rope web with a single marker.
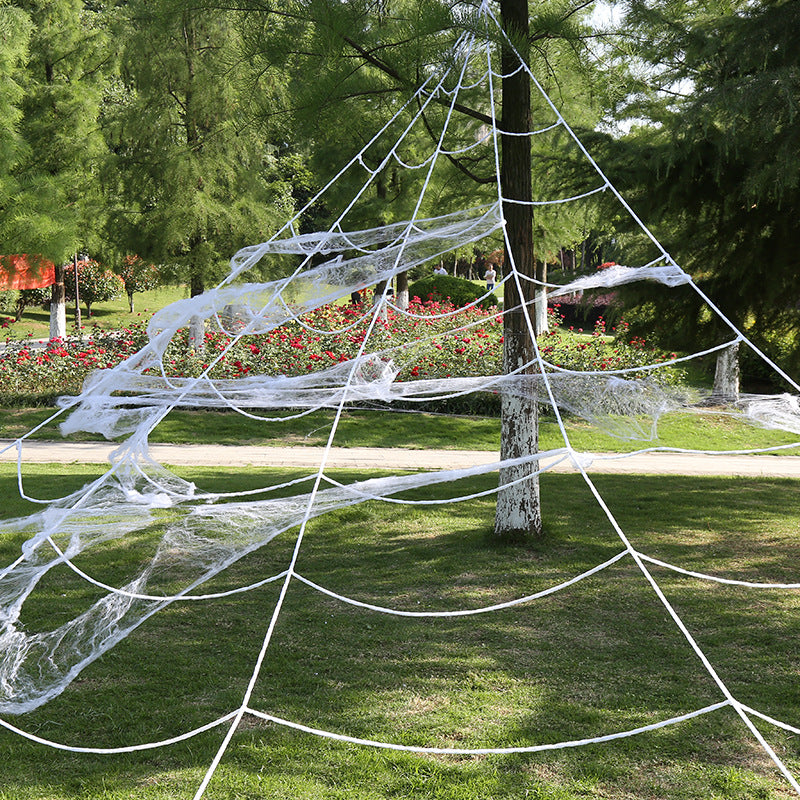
(207, 533)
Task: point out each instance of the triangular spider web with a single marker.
(206, 533)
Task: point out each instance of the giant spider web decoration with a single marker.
(204, 533)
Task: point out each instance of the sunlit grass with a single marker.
(366, 428)
(599, 657)
(108, 316)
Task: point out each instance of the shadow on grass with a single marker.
(599, 657)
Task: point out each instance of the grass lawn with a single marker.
(708, 431)
(599, 657)
(112, 315)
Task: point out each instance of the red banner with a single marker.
(26, 272)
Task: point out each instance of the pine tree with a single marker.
(360, 50)
(719, 165)
(14, 36)
(56, 205)
(63, 84)
(197, 178)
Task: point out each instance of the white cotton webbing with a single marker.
(198, 542)
(199, 534)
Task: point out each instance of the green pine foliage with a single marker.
(367, 59)
(711, 164)
(196, 177)
(14, 37)
(56, 206)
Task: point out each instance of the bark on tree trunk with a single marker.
(402, 291)
(378, 299)
(726, 376)
(518, 509)
(197, 325)
(58, 306)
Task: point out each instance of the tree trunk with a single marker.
(541, 299)
(378, 299)
(78, 323)
(402, 291)
(726, 376)
(58, 306)
(518, 509)
(197, 325)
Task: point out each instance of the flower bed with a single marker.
(424, 346)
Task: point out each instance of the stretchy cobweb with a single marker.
(204, 534)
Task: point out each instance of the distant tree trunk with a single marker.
(726, 376)
(58, 306)
(197, 325)
(378, 299)
(402, 291)
(78, 323)
(541, 299)
(518, 508)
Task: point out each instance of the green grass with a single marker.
(709, 431)
(599, 657)
(112, 315)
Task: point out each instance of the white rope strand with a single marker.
(115, 750)
(464, 612)
(488, 751)
(716, 579)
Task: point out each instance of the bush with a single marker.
(422, 346)
(15, 301)
(443, 288)
(8, 301)
(138, 276)
(95, 284)
(588, 308)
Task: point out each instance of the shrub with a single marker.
(15, 301)
(32, 297)
(446, 288)
(137, 276)
(8, 301)
(423, 345)
(95, 284)
(587, 308)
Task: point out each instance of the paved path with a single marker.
(396, 458)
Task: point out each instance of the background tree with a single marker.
(15, 29)
(57, 204)
(96, 284)
(196, 177)
(713, 158)
(137, 275)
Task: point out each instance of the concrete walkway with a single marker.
(400, 459)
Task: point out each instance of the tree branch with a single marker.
(371, 58)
